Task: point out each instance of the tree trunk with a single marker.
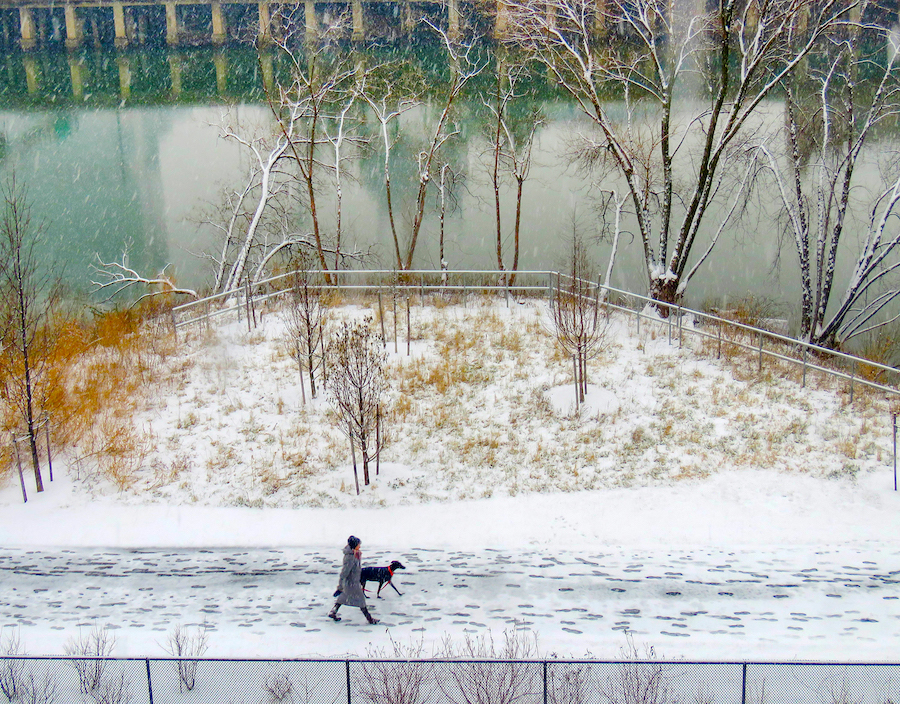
(29, 392)
(665, 291)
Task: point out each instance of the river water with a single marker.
(121, 152)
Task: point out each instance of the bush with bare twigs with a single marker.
(94, 647)
(395, 676)
(491, 673)
(188, 647)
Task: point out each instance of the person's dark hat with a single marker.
(353, 542)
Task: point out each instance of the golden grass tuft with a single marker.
(92, 377)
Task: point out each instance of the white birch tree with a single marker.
(465, 64)
(848, 97)
(670, 98)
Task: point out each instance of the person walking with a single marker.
(349, 590)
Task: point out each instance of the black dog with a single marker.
(382, 575)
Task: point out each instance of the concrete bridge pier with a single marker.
(312, 22)
(409, 22)
(74, 32)
(265, 25)
(119, 23)
(219, 31)
(26, 25)
(453, 19)
(171, 24)
(359, 30)
(501, 20)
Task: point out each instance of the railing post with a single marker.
(719, 348)
(894, 418)
(149, 681)
(638, 311)
(760, 350)
(669, 327)
(47, 438)
(805, 352)
(15, 444)
(852, 376)
(680, 337)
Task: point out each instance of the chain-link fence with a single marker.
(37, 680)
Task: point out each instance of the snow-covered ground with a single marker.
(711, 516)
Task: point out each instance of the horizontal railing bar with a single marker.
(698, 316)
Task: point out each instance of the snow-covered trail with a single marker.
(784, 603)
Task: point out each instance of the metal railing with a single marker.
(723, 334)
(488, 681)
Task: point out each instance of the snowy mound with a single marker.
(597, 401)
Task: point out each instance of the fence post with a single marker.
(852, 376)
(545, 682)
(669, 327)
(149, 681)
(638, 312)
(805, 352)
(349, 700)
(678, 310)
(47, 438)
(719, 348)
(744, 683)
(894, 416)
(381, 318)
(760, 351)
(15, 444)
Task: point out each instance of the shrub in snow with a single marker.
(184, 644)
(492, 674)
(97, 644)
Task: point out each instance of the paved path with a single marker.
(731, 603)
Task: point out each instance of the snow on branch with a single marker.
(117, 277)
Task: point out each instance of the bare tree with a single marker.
(356, 383)
(689, 77)
(30, 299)
(447, 180)
(338, 136)
(830, 116)
(465, 65)
(578, 324)
(268, 152)
(321, 78)
(388, 98)
(511, 142)
(306, 325)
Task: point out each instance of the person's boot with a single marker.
(372, 621)
(333, 613)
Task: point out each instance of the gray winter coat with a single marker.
(351, 590)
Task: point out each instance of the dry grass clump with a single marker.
(94, 373)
